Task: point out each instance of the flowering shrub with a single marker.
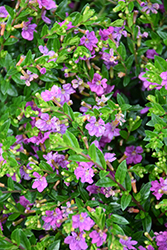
(83, 114)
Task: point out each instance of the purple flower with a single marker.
(148, 6)
(159, 188)
(110, 157)
(47, 123)
(40, 182)
(93, 189)
(76, 241)
(52, 219)
(82, 221)
(133, 155)
(44, 50)
(89, 40)
(128, 243)
(50, 95)
(163, 75)
(109, 59)
(110, 131)
(118, 32)
(47, 4)
(28, 77)
(3, 12)
(85, 172)
(98, 237)
(105, 33)
(65, 93)
(161, 240)
(97, 85)
(44, 18)
(95, 127)
(151, 53)
(107, 191)
(140, 35)
(28, 30)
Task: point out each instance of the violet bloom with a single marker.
(40, 182)
(148, 6)
(107, 191)
(90, 40)
(109, 59)
(82, 221)
(149, 247)
(29, 77)
(159, 188)
(85, 172)
(28, 30)
(98, 237)
(3, 12)
(92, 189)
(44, 18)
(47, 4)
(44, 50)
(163, 75)
(105, 33)
(52, 219)
(76, 241)
(118, 33)
(133, 155)
(97, 85)
(110, 157)
(50, 95)
(128, 243)
(151, 53)
(161, 240)
(95, 127)
(111, 131)
(47, 123)
(65, 93)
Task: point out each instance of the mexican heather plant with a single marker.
(83, 114)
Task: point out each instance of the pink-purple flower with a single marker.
(50, 95)
(82, 221)
(52, 219)
(95, 127)
(28, 30)
(133, 154)
(98, 237)
(85, 172)
(128, 243)
(148, 6)
(90, 40)
(161, 239)
(40, 182)
(159, 188)
(47, 4)
(47, 123)
(76, 241)
(28, 77)
(97, 85)
(3, 12)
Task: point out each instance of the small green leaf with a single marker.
(54, 246)
(105, 182)
(119, 219)
(125, 201)
(78, 158)
(121, 172)
(71, 141)
(147, 223)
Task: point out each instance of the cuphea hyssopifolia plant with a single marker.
(73, 169)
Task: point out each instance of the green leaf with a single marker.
(105, 182)
(125, 201)
(120, 99)
(10, 10)
(122, 50)
(129, 62)
(10, 183)
(68, 110)
(126, 80)
(71, 141)
(61, 9)
(92, 152)
(54, 246)
(14, 216)
(15, 236)
(24, 241)
(119, 219)
(45, 166)
(78, 158)
(45, 30)
(121, 172)
(48, 77)
(145, 191)
(5, 244)
(100, 158)
(147, 223)
(16, 78)
(161, 62)
(12, 91)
